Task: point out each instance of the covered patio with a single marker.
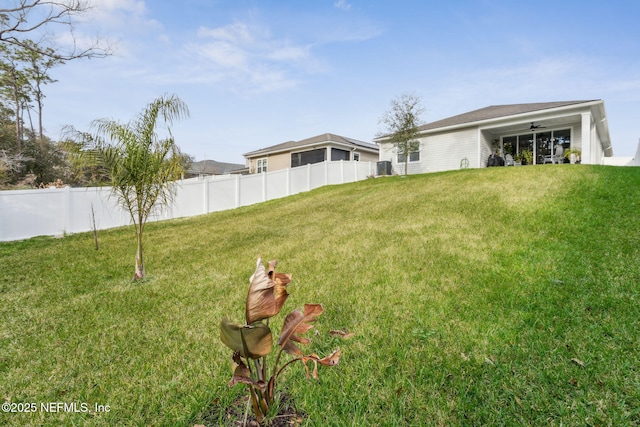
(570, 133)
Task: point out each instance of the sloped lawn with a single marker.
(502, 296)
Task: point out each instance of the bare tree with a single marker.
(10, 164)
(402, 122)
(26, 17)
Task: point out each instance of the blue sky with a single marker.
(258, 73)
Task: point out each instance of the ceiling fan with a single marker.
(534, 127)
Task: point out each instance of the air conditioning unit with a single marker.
(384, 168)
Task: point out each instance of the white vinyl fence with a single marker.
(56, 211)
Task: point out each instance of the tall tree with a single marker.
(26, 17)
(401, 126)
(142, 166)
(37, 75)
(14, 87)
(24, 66)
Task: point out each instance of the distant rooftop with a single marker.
(211, 167)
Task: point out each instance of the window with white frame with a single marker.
(414, 156)
(356, 157)
(261, 165)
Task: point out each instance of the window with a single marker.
(337, 154)
(356, 157)
(306, 157)
(261, 165)
(414, 156)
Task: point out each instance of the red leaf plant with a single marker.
(253, 342)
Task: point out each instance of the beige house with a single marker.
(321, 148)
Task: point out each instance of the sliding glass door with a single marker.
(519, 147)
(538, 147)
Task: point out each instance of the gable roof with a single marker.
(315, 140)
(497, 111)
(211, 167)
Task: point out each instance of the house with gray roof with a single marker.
(320, 148)
(211, 167)
(534, 133)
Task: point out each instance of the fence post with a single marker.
(205, 196)
(68, 214)
(288, 189)
(169, 207)
(308, 176)
(237, 202)
(264, 186)
(326, 172)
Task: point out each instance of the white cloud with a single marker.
(224, 54)
(342, 4)
(289, 53)
(119, 24)
(246, 55)
(120, 14)
(234, 33)
(136, 6)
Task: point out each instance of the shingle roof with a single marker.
(496, 111)
(211, 167)
(318, 139)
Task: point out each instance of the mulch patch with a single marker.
(233, 415)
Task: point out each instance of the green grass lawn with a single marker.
(502, 296)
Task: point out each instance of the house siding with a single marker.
(445, 151)
(387, 153)
(576, 135)
(274, 162)
(486, 148)
(282, 160)
(365, 156)
(438, 152)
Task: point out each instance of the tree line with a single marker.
(27, 156)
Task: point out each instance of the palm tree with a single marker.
(142, 166)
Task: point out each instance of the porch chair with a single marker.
(558, 157)
(508, 160)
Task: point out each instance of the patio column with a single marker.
(587, 139)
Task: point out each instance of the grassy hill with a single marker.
(502, 296)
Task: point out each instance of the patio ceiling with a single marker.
(522, 125)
